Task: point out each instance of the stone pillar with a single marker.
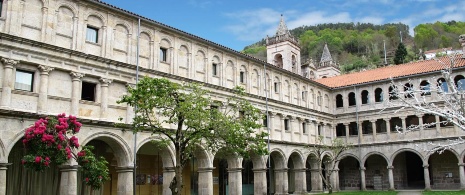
(391, 177)
(373, 126)
(323, 132)
(8, 82)
(335, 179)
(104, 83)
(43, 89)
(315, 126)
(362, 178)
(125, 180)
(292, 127)
(461, 174)
(270, 123)
(360, 132)
(75, 95)
(68, 182)
(346, 125)
(438, 126)
(3, 169)
(281, 184)
(388, 128)
(129, 109)
(300, 181)
(317, 182)
(420, 123)
(283, 130)
(426, 175)
(235, 181)
(206, 181)
(168, 175)
(259, 181)
(404, 124)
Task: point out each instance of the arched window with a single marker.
(365, 99)
(459, 81)
(339, 101)
(393, 93)
(425, 88)
(442, 85)
(352, 101)
(278, 60)
(378, 95)
(408, 89)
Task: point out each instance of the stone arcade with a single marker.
(77, 57)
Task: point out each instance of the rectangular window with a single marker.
(163, 54)
(1, 7)
(265, 121)
(88, 91)
(241, 77)
(214, 69)
(24, 80)
(304, 95)
(304, 127)
(286, 124)
(92, 34)
(275, 87)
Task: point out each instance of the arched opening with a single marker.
(393, 93)
(425, 88)
(349, 174)
(291, 176)
(442, 86)
(429, 121)
(278, 60)
(412, 121)
(313, 178)
(408, 89)
(295, 174)
(353, 129)
(459, 81)
(376, 174)
(352, 101)
(367, 127)
(395, 124)
(294, 64)
(340, 130)
(379, 95)
(277, 174)
(443, 171)
(408, 169)
(381, 126)
(339, 101)
(365, 98)
(247, 177)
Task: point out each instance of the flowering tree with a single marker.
(47, 142)
(448, 104)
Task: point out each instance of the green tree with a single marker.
(400, 54)
(197, 121)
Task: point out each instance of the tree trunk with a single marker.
(176, 184)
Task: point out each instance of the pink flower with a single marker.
(100, 177)
(87, 179)
(46, 163)
(38, 159)
(47, 159)
(81, 153)
(23, 162)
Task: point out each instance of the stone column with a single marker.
(388, 128)
(206, 181)
(346, 125)
(317, 182)
(8, 82)
(3, 169)
(43, 89)
(125, 180)
(391, 177)
(360, 132)
(404, 124)
(68, 182)
(438, 126)
(300, 181)
(259, 181)
(235, 181)
(335, 179)
(104, 83)
(75, 95)
(281, 184)
(373, 126)
(323, 132)
(292, 127)
(426, 175)
(283, 130)
(129, 109)
(168, 175)
(420, 123)
(362, 178)
(315, 127)
(461, 174)
(270, 123)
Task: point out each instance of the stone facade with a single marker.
(78, 57)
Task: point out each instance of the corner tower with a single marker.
(283, 49)
(327, 67)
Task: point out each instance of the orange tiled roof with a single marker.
(388, 72)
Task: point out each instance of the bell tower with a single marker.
(283, 49)
(327, 67)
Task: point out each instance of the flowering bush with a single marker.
(47, 142)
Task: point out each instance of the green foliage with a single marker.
(438, 35)
(401, 54)
(95, 169)
(198, 120)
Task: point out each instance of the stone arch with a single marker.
(216, 59)
(2, 152)
(279, 158)
(443, 170)
(167, 153)
(374, 153)
(393, 156)
(97, 15)
(33, 16)
(230, 69)
(165, 42)
(15, 139)
(117, 143)
(125, 25)
(457, 155)
(148, 33)
(204, 158)
(65, 25)
(350, 155)
(68, 6)
(297, 159)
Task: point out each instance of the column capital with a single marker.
(105, 82)
(460, 164)
(205, 169)
(3, 166)
(386, 119)
(390, 167)
(68, 168)
(259, 170)
(373, 120)
(125, 169)
(426, 166)
(45, 69)
(131, 85)
(362, 169)
(314, 170)
(281, 170)
(9, 63)
(76, 75)
(168, 169)
(234, 170)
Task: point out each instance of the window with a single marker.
(429, 121)
(241, 77)
(339, 101)
(1, 7)
(276, 87)
(215, 69)
(265, 121)
(442, 85)
(393, 93)
(367, 127)
(379, 95)
(425, 88)
(353, 129)
(24, 80)
(88, 91)
(412, 120)
(365, 98)
(352, 101)
(381, 126)
(163, 54)
(304, 95)
(340, 130)
(286, 124)
(92, 34)
(395, 123)
(304, 127)
(320, 129)
(408, 89)
(460, 82)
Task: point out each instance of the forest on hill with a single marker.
(358, 46)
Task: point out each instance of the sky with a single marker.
(238, 23)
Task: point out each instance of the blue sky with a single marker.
(238, 23)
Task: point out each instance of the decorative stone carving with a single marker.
(105, 81)
(9, 62)
(45, 69)
(76, 75)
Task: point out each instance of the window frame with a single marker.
(88, 84)
(31, 82)
(242, 77)
(163, 55)
(96, 30)
(286, 124)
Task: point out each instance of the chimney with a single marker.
(462, 42)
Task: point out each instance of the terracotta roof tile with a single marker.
(388, 72)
